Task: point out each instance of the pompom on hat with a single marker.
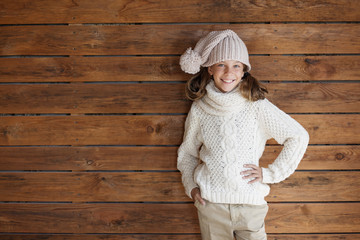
(215, 47)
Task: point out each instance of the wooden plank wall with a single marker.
(92, 111)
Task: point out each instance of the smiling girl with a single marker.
(225, 134)
(227, 74)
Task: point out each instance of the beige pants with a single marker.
(224, 221)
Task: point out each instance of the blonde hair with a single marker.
(250, 87)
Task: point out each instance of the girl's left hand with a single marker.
(255, 172)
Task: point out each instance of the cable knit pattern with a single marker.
(224, 131)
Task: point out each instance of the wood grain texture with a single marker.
(99, 162)
(86, 98)
(166, 98)
(92, 130)
(167, 237)
(148, 130)
(154, 158)
(23, 12)
(175, 39)
(89, 158)
(163, 187)
(305, 218)
(128, 69)
(101, 237)
(324, 129)
(93, 187)
(168, 218)
(91, 69)
(317, 187)
(321, 157)
(313, 236)
(315, 97)
(305, 68)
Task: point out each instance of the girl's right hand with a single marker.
(196, 196)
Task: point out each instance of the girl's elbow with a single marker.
(305, 137)
(302, 137)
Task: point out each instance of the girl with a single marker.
(226, 131)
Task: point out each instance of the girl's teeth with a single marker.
(228, 81)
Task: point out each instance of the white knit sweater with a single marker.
(224, 131)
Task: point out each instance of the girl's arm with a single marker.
(285, 130)
(188, 153)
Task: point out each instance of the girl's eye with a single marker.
(236, 66)
(221, 65)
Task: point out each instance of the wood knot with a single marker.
(150, 129)
(167, 192)
(167, 69)
(117, 222)
(5, 132)
(305, 210)
(339, 156)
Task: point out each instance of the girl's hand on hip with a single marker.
(254, 173)
(196, 196)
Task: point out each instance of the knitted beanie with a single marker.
(215, 47)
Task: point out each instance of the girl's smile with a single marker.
(227, 74)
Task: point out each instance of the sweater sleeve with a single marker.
(188, 152)
(288, 132)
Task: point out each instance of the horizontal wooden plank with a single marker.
(167, 237)
(321, 157)
(92, 69)
(175, 39)
(327, 129)
(168, 218)
(302, 218)
(91, 158)
(98, 218)
(100, 237)
(148, 129)
(86, 98)
(313, 236)
(166, 98)
(21, 12)
(92, 130)
(163, 187)
(154, 158)
(92, 187)
(315, 97)
(317, 187)
(305, 68)
(108, 69)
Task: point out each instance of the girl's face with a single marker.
(227, 74)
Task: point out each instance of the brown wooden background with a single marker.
(92, 111)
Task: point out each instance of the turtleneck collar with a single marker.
(216, 102)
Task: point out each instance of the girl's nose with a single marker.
(227, 70)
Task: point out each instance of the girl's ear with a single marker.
(210, 71)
